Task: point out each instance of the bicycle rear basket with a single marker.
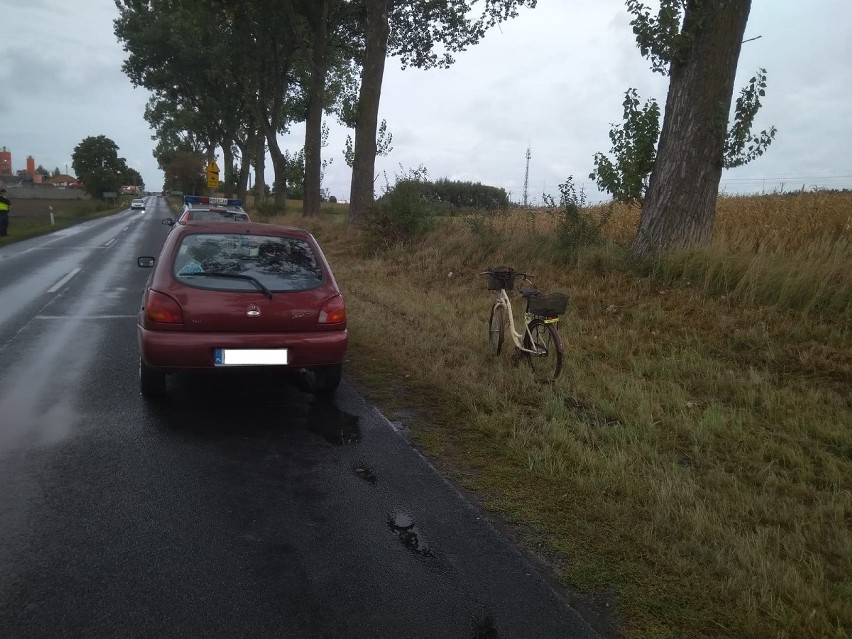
(501, 277)
(548, 305)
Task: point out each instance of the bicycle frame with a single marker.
(504, 300)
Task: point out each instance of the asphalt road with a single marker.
(240, 507)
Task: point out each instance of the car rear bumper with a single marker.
(184, 351)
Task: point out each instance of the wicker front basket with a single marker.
(548, 305)
(501, 277)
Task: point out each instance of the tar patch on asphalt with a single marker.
(409, 535)
(366, 474)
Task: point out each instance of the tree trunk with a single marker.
(372, 73)
(680, 204)
(279, 181)
(228, 161)
(269, 120)
(246, 147)
(260, 169)
(316, 97)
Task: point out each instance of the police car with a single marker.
(201, 208)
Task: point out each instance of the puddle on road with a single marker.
(403, 525)
(335, 425)
(29, 419)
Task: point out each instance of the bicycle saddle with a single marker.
(528, 292)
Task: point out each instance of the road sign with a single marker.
(212, 175)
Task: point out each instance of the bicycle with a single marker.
(539, 344)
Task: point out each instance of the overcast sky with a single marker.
(553, 79)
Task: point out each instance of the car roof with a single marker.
(217, 211)
(232, 227)
(213, 208)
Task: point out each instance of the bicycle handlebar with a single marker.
(525, 276)
(517, 274)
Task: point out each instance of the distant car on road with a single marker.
(137, 204)
(256, 296)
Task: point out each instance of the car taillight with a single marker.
(162, 309)
(333, 311)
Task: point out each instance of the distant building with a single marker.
(62, 180)
(24, 175)
(5, 162)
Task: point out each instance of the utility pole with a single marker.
(527, 176)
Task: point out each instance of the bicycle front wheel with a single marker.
(496, 328)
(543, 338)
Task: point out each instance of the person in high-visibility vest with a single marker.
(5, 205)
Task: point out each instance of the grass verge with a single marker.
(31, 217)
(695, 458)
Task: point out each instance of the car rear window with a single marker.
(216, 216)
(279, 263)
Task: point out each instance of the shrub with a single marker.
(576, 227)
(402, 214)
(469, 195)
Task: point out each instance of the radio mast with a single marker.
(527, 175)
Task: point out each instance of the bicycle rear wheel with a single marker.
(546, 363)
(496, 328)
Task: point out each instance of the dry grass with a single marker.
(695, 458)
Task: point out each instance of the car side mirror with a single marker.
(168, 220)
(145, 261)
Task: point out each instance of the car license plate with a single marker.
(250, 357)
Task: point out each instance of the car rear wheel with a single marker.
(326, 380)
(152, 382)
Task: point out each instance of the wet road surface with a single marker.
(238, 507)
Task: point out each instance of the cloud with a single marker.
(552, 79)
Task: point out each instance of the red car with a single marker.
(225, 295)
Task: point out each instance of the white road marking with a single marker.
(110, 243)
(63, 281)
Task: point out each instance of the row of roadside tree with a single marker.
(235, 75)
